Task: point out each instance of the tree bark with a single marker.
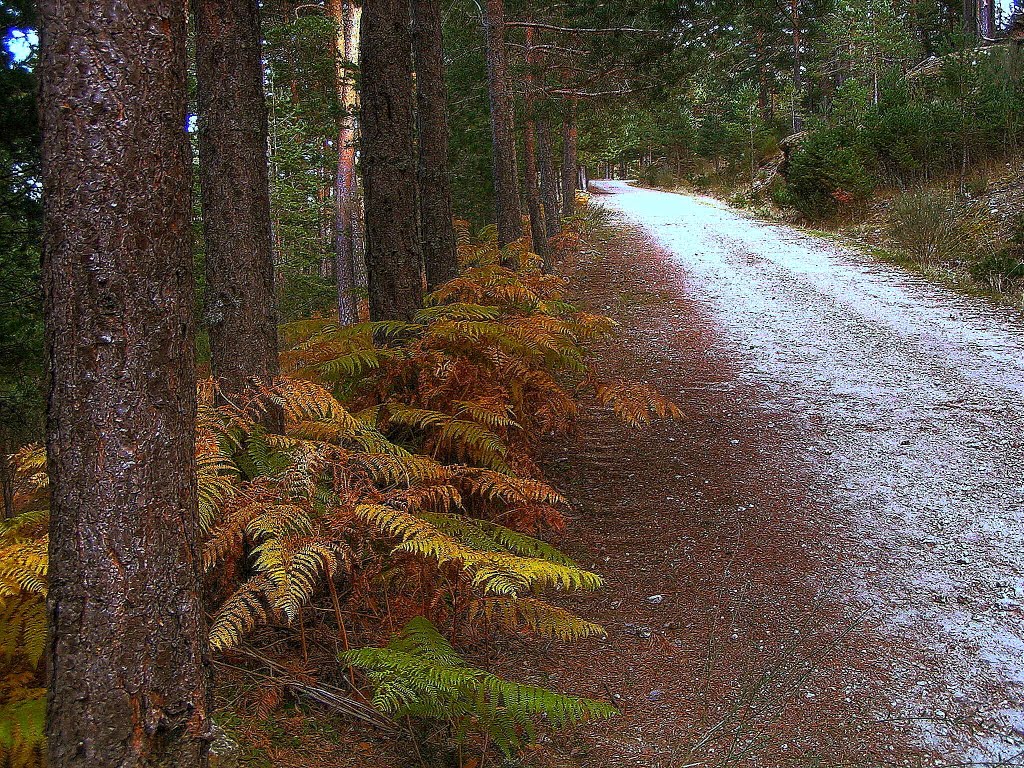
(435, 196)
(763, 103)
(970, 18)
(241, 310)
(127, 653)
(538, 227)
(393, 255)
(506, 177)
(798, 78)
(548, 177)
(348, 245)
(570, 161)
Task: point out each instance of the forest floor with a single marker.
(822, 563)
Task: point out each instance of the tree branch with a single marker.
(583, 30)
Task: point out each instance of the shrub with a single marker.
(657, 175)
(826, 170)
(940, 228)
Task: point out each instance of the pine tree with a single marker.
(127, 651)
(393, 254)
(438, 234)
(348, 235)
(506, 176)
(240, 303)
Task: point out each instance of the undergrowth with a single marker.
(404, 492)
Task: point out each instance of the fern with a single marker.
(488, 556)
(419, 673)
(520, 614)
(637, 404)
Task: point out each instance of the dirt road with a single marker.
(825, 560)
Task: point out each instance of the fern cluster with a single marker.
(23, 561)
(404, 486)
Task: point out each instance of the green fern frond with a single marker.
(354, 364)
(418, 673)
(23, 628)
(22, 724)
(475, 441)
(278, 521)
(494, 414)
(492, 536)
(405, 470)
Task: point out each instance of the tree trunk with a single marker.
(241, 310)
(506, 176)
(548, 177)
(348, 245)
(538, 228)
(570, 162)
(127, 654)
(761, 56)
(393, 256)
(970, 18)
(435, 196)
(798, 77)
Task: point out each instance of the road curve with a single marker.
(913, 400)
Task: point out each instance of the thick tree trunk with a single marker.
(240, 304)
(127, 653)
(435, 196)
(393, 255)
(570, 161)
(538, 228)
(348, 245)
(506, 177)
(548, 177)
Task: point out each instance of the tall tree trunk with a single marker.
(348, 245)
(798, 77)
(393, 255)
(538, 228)
(570, 161)
(435, 196)
(127, 652)
(240, 304)
(761, 56)
(548, 177)
(970, 18)
(506, 177)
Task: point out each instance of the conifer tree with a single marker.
(394, 257)
(435, 197)
(127, 649)
(506, 177)
(348, 235)
(240, 304)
